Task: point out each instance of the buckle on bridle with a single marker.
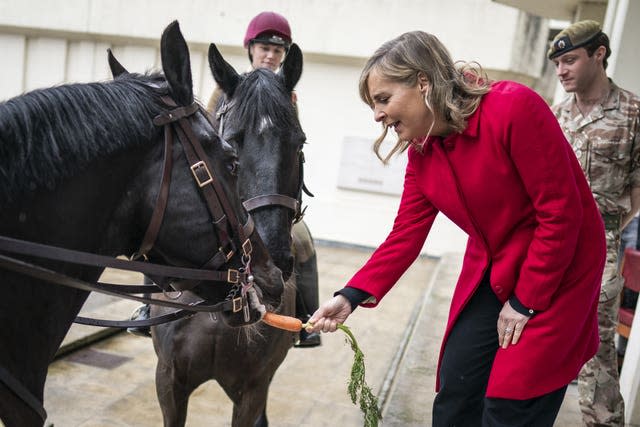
(233, 276)
(237, 304)
(199, 166)
(247, 247)
(228, 255)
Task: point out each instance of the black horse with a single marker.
(80, 168)
(256, 114)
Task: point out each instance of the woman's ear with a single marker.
(423, 82)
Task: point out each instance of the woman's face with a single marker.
(399, 106)
(266, 56)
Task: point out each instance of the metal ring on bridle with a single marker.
(166, 294)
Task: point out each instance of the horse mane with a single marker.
(262, 94)
(50, 134)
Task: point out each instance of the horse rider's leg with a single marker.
(142, 313)
(306, 271)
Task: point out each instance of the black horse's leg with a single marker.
(14, 412)
(250, 405)
(262, 420)
(173, 395)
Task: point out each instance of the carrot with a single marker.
(279, 321)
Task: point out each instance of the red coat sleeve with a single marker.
(403, 244)
(543, 158)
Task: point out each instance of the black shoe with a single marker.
(308, 339)
(141, 313)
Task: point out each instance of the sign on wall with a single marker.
(360, 169)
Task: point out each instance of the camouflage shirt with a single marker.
(607, 144)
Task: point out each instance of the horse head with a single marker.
(204, 222)
(258, 116)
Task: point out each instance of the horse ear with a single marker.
(292, 67)
(223, 73)
(176, 64)
(115, 65)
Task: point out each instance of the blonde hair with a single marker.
(455, 88)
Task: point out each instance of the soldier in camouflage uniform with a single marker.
(601, 121)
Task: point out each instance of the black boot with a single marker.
(141, 313)
(306, 271)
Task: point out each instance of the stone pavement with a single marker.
(111, 383)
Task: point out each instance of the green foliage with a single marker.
(358, 389)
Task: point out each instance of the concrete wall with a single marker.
(47, 42)
(623, 29)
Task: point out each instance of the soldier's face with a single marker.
(576, 70)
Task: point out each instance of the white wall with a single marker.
(12, 52)
(625, 44)
(53, 41)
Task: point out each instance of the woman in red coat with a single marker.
(492, 158)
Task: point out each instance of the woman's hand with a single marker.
(327, 317)
(510, 325)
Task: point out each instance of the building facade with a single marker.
(48, 42)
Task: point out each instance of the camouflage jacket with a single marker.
(607, 144)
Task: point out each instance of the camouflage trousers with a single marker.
(598, 383)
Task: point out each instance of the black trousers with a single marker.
(465, 369)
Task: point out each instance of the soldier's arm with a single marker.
(635, 206)
(635, 167)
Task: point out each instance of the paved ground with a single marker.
(111, 383)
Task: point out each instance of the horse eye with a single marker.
(232, 167)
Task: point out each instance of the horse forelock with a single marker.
(261, 102)
(49, 134)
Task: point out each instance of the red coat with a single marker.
(511, 181)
